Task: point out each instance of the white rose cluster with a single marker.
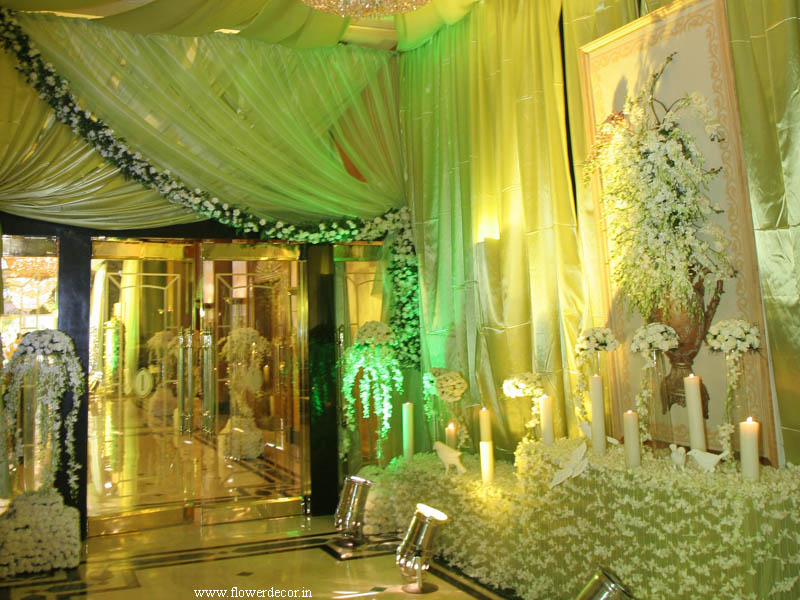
(450, 385)
(374, 332)
(733, 336)
(654, 337)
(596, 339)
(523, 385)
(38, 533)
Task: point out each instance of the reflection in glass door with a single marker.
(196, 383)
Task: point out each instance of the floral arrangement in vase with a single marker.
(371, 359)
(590, 343)
(526, 385)
(442, 391)
(664, 250)
(45, 360)
(733, 337)
(650, 341)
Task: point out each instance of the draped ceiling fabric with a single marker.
(257, 125)
(288, 22)
(486, 148)
(48, 173)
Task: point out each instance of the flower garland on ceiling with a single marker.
(402, 269)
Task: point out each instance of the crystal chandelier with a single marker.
(366, 8)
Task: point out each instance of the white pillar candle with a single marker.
(633, 457)
(598, 415)
(408, 430)
(487, 462)
(546, 409)
(694, 409)
(748, 448)
(450, 435)
(486, 424)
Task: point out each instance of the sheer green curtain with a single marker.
(765, 39)
(502, 284)
(584, 21)
(255, 124)
(48, 173)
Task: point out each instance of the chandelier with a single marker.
(365, 8)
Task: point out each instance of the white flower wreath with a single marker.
(49, 355)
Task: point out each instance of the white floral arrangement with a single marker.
(49, 355)
(374, 332)
(589, 344)
(403, 267)
(450, 386)
(244, 346)
(647, 341)
(38, 533)
(733, 337)
(523, 385)
(655, 200)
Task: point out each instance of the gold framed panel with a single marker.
(619, 64)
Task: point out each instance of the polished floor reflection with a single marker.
(271, 554)
(138, 461)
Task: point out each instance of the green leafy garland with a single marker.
(373, 359)
(403, 265)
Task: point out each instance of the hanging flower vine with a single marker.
(403, 264)
(733, 337)
(647, 341)
(48, 358)
(526, 385)
(371, 363)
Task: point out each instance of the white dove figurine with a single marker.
(575, 465)
(705, 460)
(678, 455)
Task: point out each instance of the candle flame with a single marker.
(484, 408)
(630, 412)
(451, 426)
(749, 419)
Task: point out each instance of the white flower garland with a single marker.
(49, 356)
(589, 344)
(647, 340)
(402, 270)
(733, 337)
(526, 385)
(655, 199)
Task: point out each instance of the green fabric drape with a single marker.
(584, 21)
(48, 173)
(257, 125)
(765, 39)
(502, 284)
(288, 22)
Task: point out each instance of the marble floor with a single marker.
(138, 461)
(286, 557)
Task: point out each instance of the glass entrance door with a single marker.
(197, 389)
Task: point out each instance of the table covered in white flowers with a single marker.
(666, 533)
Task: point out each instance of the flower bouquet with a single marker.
(650, 341)
(590, 343)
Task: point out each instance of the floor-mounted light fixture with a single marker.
(349, 518)
(605, 585)
(415, 551)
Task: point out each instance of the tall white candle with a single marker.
(694, 408)
(548, 433)
(486, 424)
(408, 430)
(598, 415)
(487, 462)
(633, 457)
(748, 448)
(450, 435)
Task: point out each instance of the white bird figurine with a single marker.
(678, 455)
(705, 460)
(449, 456)
(576, 464)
